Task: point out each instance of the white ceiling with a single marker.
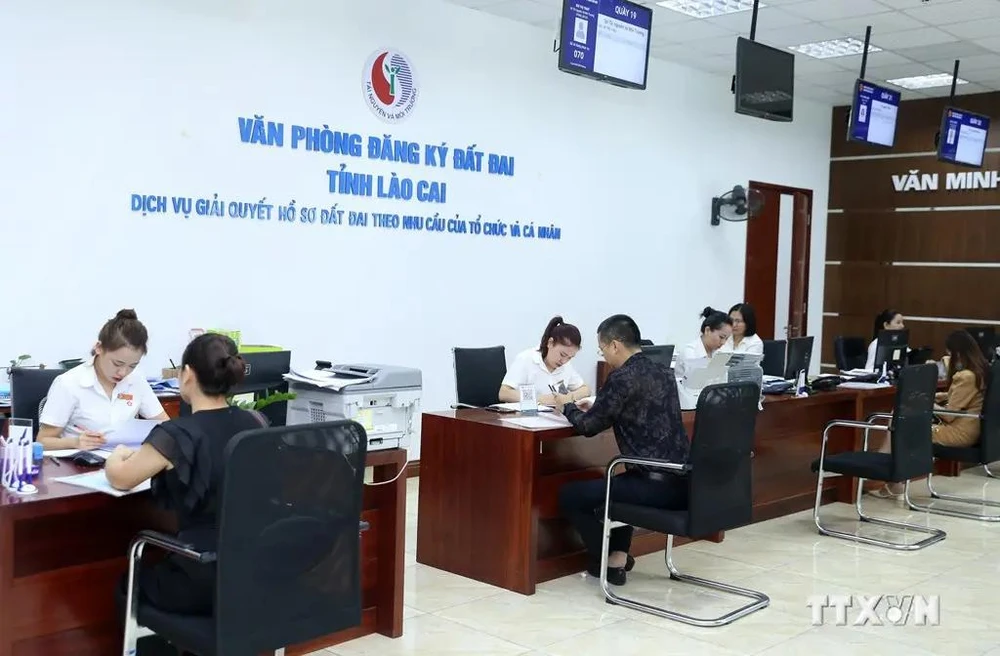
(917, 37)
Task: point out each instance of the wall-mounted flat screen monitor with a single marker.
(873, 114)
(606, 40)
(765, 81)
(963, 137)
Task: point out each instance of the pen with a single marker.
(172, 363)
(55, 461)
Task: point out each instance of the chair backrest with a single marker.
(478, 375)
(289, 557)
(773, 363)
(720, 492)
(989, 434)
(912, 419)
(850, 352)
(28, 389)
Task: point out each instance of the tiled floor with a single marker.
(785, 558)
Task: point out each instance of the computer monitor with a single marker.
(986, 337)
(265, 374)
(891, 347)
(799, 356)
(774, 357)
(662, 353)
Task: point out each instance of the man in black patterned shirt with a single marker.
(639, 402)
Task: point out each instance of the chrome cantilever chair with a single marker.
(720, 496)
(983, 453)
(288, 559)
(909, 429)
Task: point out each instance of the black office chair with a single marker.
(909, 428)
(773, 363)
(288, 560)
(478, 375)
(983, 453)
(720, 495)
(28, 389)
(850, 352)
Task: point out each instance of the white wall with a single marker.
(107, 98)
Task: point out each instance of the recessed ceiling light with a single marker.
(834, 48)
(925, 81)
(708, 8)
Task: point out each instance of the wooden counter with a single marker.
(488, 504)
(63, 551)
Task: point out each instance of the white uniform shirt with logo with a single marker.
(752, 344)
(76, 400)
(529, 369)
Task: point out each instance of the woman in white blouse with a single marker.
(716, 329)
(744, 338)
(548, 368)
(885, 320)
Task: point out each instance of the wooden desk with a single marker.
(63, 551)
(488, 504)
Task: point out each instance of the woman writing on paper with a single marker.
(184, 458)
(744, 338)
(548, 368)
(102, 393)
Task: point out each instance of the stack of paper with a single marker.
(98, 481)
(325, 379)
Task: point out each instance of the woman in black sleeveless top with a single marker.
(184, 459)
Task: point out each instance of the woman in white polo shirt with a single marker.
(102, 393)
(548, 368)
(744, 338)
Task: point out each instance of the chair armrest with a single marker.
(173, 545)
(954, 413)
(363, 526)
(851, 423)
(648, 462)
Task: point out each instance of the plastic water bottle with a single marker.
(801, 389)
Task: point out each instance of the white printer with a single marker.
(384, 399)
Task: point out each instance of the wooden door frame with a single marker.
(801, 243)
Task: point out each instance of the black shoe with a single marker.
(629, 563)
(616, 575)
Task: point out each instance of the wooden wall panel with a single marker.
(886, 236)
(959, 292)
(867, 233)
(867, 184)
(918, 121)
(855, 288)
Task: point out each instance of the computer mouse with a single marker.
(87, 459)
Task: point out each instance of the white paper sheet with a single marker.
(516, 407)
(131, 433)
(98, 481)
(863, 386)
(548, 421)
(62, 453)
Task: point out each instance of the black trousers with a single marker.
(582, 503)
